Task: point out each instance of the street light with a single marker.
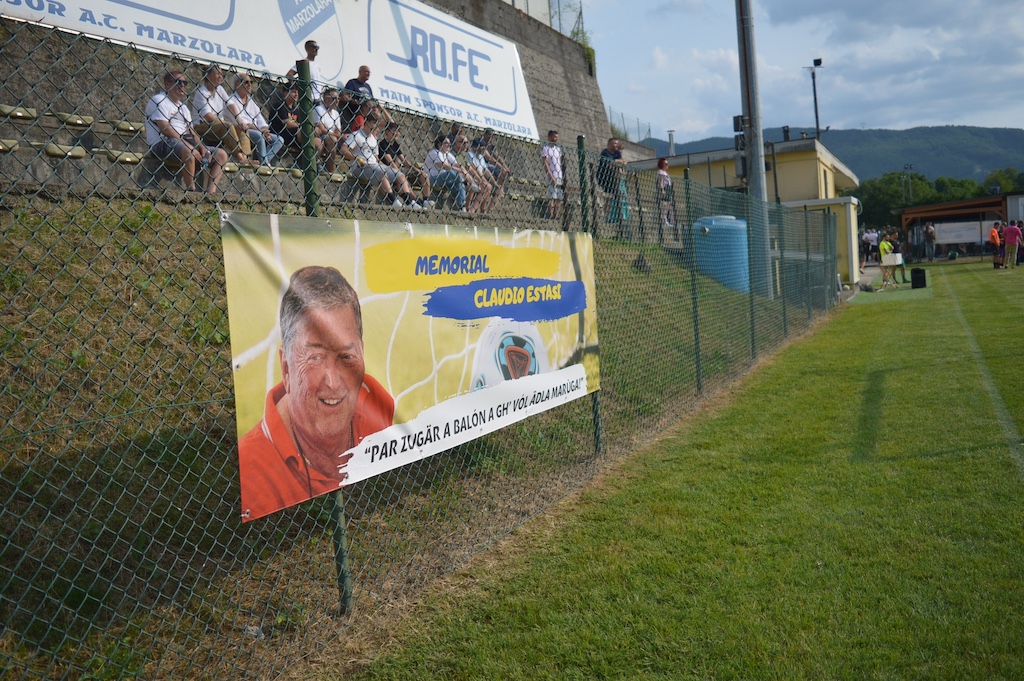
(907, 183)
(814, 86)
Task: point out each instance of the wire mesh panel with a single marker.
(124, 554)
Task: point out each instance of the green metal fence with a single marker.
(123, 553)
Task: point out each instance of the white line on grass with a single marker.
(1010, 431)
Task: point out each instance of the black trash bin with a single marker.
(917, 279)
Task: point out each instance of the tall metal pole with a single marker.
(751, 102)
(814, 87)
(815, 65)
(757, 190)
(307, 157)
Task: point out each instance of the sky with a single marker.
(892, 64)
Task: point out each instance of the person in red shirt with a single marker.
(1012, 234)
(324, 405)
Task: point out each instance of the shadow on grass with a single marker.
(865, 442)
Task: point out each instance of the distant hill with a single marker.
(956, 151)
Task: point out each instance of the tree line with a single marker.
(880, 196)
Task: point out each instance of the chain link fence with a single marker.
(124, 555)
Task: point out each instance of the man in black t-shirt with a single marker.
(390, 153)
(284, 117)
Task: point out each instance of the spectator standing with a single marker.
(995, 240)
(170, 135)
(211, 122)
(441, 165)
(872, 235)
(665, 193)
(551, 155)
(1012, 234)
(360, 92)
(888, 271)
(929, 241)
(243, 110)
(907, 249)
(611, 181)
(316, 79)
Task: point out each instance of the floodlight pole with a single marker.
(759, 248)
(756, 185)
(814, 87)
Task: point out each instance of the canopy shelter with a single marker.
(988, 208)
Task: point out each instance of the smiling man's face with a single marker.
(323, 373)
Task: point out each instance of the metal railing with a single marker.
(629, 128)
(124, 554)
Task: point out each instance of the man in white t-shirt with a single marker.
(551, 154)
(210, 102)
(169, 134)
(872, 237)
(315, 77)
(243, 111)
(444, 170)
(361, 149)
(329, 127)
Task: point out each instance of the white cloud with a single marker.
(886, 64)
(660, 58)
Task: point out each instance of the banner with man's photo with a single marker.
(358, 346)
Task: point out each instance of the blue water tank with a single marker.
(720, 245)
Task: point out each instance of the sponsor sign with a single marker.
(420, 58)
(464, 331)
(962, 232)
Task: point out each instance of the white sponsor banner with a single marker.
(420, 58)
(962, 232)
(464, 418)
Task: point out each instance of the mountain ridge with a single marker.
(956, 151)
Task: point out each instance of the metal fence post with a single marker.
(780, 219)
(751, 278)
(340, 535)
(639, 208)
(307, 159)
(807, 266)
(691, 256)
(581, 155)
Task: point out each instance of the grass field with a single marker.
(852, 509)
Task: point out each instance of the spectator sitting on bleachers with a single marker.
(284, 117)
(211, 123)
(495, 162)
(478, 161)
(170, 135)
(443, 169)
(329, 128)
(390, 152)
(454, 132)
(243, 110)
(479, 188)
(361, 149)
